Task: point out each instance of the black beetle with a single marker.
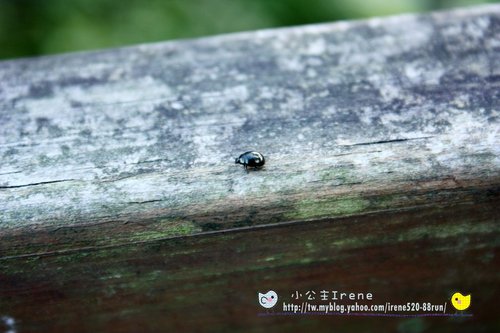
(251, 159)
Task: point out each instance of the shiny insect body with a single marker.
(251, 159)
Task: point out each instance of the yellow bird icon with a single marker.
(460, 302)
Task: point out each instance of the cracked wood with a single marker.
(382, 175)
(352, 118)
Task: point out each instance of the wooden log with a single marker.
(118, 187)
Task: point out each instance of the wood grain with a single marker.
(118, 187)
(210, 282)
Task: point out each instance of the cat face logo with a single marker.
(268, 300)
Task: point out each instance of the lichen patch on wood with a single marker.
(121, 208)
(343, 112)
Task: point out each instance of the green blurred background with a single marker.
(36, 27)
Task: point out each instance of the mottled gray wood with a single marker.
(352, 117)
(382, 144)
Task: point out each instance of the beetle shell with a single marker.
(251, 159)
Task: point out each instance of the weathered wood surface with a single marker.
(108, 157)
(210, 283)
(352, 117)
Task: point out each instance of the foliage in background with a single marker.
(36, 27)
